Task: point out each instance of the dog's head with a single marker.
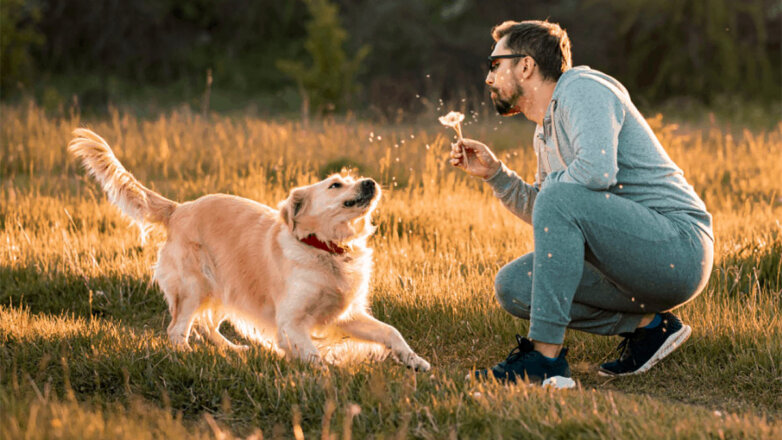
(336, 209)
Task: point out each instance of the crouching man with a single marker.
(621, 238)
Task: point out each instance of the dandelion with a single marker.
(453, 120)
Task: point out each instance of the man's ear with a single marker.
(291, 207)
(527, 66)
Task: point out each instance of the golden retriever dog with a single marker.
(278, 274)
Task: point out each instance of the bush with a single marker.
(18, 35)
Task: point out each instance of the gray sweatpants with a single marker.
(601, 262)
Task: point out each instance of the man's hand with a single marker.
(475, 158)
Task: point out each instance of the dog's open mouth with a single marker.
(359, 202)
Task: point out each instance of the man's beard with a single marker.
(508, 107)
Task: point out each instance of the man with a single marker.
(620, 236)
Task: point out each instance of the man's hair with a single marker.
(547, 43)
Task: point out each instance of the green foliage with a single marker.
(155, 53)
(18, 35)
(328, 80)
(158, 51)
(696, 48)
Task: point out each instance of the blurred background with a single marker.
(386, 61)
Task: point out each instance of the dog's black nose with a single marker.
(368, 186)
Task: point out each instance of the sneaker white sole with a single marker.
(559, 383)
(667, 348)
(556, 382)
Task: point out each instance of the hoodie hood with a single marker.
(587, 72)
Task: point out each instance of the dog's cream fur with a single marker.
(231, 258)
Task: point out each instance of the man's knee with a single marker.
(556, 197)
(513, 288)
(561, 190)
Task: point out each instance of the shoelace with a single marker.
(625, 347)
(520, 350)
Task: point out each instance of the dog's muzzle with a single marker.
(367, 192)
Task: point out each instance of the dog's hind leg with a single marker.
(183, 314)
(179, 274)
(210, 327)
(185, 296)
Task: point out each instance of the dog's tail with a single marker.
(134, 199)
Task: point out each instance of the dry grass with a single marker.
(84, 353)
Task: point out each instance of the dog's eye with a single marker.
(335, 185)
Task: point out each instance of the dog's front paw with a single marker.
(180, 343)
(416, 362)
(313, 359)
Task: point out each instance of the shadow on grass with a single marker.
(122, 297)
(106, 361)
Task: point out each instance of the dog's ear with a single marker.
(293, 206)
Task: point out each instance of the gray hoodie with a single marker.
(593, 135)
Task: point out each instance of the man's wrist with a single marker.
(493, 170)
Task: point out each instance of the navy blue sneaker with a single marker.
(645, 347)
(524, 361)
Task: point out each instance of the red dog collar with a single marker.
(329, 247)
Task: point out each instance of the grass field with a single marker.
(84, 352)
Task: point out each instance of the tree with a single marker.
(327, 82)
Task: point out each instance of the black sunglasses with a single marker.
(511, 55)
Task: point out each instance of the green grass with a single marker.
(82, 327)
